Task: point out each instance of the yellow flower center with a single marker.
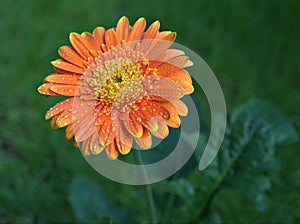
(118, 78)
(110, 78)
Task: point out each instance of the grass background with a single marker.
(252, 46)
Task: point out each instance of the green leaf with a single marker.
(90, 203)
(254, 132)
(180, 187)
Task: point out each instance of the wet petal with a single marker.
(174, 120)
(133, 125)
(179, 61)
(124, 148)
(153, 124)
(75, 143)
(152, 30)
(80, 45)
(112, 150)
(69, 54)
(160, 44)
(95, 145)
(64, 119)
(122, 30)
(98, 35)
(64, 90)
(85, 147)
(53, 122)
(45, 89)
(83, 128)
(145, 141)
(162, 131)
(63, 79)
(69, 132)
(106, 132)
(110, 38)
(169, 68)
(183, 79)
(148, 36)
(89, 41)
(189, 63)
(164, 87)
(66, 66)
(170, 54)
(137, 30)
(181, 107)
(122, 135)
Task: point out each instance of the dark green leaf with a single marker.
(254, 132)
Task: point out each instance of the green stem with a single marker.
(148, 189)
(169, 208)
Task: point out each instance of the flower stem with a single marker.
(168, 210)
(148, 189)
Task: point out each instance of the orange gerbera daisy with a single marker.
(123, 84)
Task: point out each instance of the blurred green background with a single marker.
(252, 46)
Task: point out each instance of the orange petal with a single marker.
(59, 107)
(167, 69)
(188, 63)
(124, 148)
(183, 79)
(122, 29)
(170, 54)
(64, 119)
(99, 107)
(53, 122)
(95, 146)
(152, 30)
(141, 116)
(148, 36)
(110, 38)
(106, 132)
(179, 61)
(84, 128)
(181, 107)
(98, 35)
(166, 35)
(165, 88)
(64, 90)
(156, 98)
(85, 147)
(89, 41)
(69, 54)
(149, 112)
(145, 141)
(153, 124)
(122, 135)
(112, 150)
(174, 120)
(75, 143)
(80, 45)
(162, 42)
(69, 132)
(62, 79)
(162, 131)
(156, 110)
(137, 30)
(45, 89)
(66, 66)
(135, 127)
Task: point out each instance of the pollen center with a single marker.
(108, 79)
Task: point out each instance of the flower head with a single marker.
(123, 84)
